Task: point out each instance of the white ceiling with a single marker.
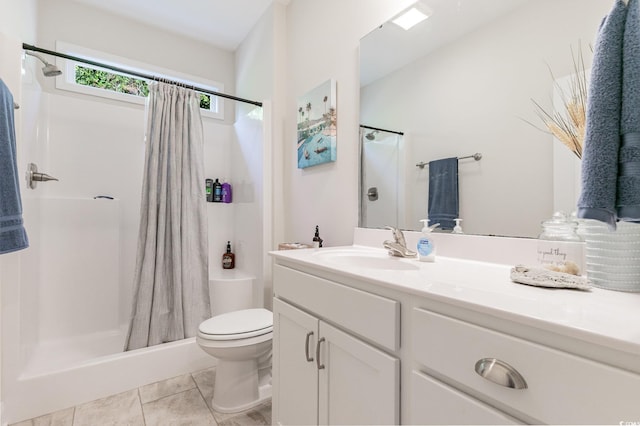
(389, 48)
(224, 23)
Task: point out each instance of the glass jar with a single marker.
(559, 245)
(560, 228)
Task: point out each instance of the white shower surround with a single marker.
(63, 319)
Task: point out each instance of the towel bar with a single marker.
(477, 156)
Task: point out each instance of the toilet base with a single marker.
(230, 410)
(239, 386)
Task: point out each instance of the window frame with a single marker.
(67, 82)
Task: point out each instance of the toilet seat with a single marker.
(237, 325)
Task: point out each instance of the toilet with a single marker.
(240, 338)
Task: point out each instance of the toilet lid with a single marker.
(245, 323)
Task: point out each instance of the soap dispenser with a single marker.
(426, 247)
(457, 229)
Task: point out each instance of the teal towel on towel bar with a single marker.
(13, 236)
(443, 192)
(602, 136)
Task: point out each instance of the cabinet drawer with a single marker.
(371, 316)
(561, 388)
(434, 403)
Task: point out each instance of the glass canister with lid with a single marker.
(560, 247)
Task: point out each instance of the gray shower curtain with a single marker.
(171, 295)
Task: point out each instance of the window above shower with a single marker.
(95, 81)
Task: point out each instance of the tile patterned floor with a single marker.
(182, 400)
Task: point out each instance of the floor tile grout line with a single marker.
(144, 418)
(178, 393)
(73, 416)
(195, 385)
(205, 399)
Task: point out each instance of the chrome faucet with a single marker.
(398, 247)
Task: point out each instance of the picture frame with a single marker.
(317, 126)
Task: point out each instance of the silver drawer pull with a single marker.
(306, 347)
(320, 366)
(501, 373)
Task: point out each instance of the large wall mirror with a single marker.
(460, 83)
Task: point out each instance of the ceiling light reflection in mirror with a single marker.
(412, 17)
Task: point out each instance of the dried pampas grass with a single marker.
(569, 125)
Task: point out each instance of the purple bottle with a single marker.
(226, 192)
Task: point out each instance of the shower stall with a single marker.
(67, 299)
(382, 189)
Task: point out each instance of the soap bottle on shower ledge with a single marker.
(228, 259)
(317, 241)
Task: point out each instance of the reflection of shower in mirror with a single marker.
(371, 135)
(381, 154)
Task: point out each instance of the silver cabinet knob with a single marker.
(501, 373)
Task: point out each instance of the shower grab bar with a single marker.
(477, 156)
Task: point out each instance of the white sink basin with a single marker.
(368, 259)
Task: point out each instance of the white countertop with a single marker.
(603, 317)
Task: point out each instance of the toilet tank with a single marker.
(230, 290)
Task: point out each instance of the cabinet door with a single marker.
(295, 375)
(434, 403)
(359, 384)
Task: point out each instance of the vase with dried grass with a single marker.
(568, 125)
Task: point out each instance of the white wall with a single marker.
(322, 43)
(473, 95)
(93, 28)
(18, 19)
(260, 63)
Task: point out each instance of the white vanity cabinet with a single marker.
(435, 403)
(466, 345)
(536, 383)
(295, 373)
(322, 374)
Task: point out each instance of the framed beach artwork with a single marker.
(317, 119)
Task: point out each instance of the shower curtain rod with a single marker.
(381, 130)
(136, 74)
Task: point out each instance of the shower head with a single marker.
(371, 135)
(49, 70)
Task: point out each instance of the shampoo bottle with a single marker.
(217, 192)
(426, 247)
(209, 189)
(226, 191)
(228, 259)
